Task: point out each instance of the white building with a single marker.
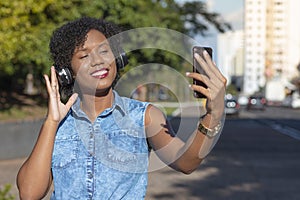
(255, 45)
(272, 42)
(230, 53)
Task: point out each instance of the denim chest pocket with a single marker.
(122, 147)
(124, 151)
(65, 152)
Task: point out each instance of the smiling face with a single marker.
(94, 65)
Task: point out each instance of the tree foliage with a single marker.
(5, 192)
(26, 27)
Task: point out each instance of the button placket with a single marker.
(90, 164)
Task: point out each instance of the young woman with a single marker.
(96, 145)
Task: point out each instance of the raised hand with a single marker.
(56, 109)
(216, 85)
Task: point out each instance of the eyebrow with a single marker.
(85, 49)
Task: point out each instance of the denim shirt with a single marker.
(107, 159)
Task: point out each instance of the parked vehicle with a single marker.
(256, 102)
(275, 91)
(232, 107)
(243, 100)
(292, 101)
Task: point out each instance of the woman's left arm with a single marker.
(186, 156)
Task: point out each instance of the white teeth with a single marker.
(99, 73)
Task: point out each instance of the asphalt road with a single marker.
(257, 157)
(250, 161)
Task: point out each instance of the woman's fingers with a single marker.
(215, 82)
(54, 82)
(203, 78)
(51, 85)
(209, 67)
(212, 77)
(48, 84)
(53, 78)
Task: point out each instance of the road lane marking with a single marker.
(292, 132)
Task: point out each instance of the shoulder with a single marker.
(149, 111)
(132, 104)
(154, 115)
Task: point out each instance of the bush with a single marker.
(5, 194)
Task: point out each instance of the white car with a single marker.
(292, 101)
(295, 103)
(243, 100)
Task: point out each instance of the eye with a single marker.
(103, 51)
(83, 56)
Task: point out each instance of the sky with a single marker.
(232, 11)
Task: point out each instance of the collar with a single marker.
(118, 105)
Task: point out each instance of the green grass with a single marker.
(16, 106)
(16, 113)
(169, 110)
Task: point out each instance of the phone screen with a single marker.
(197, 68)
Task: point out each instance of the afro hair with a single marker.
(73, 34)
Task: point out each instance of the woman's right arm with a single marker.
(34, 178)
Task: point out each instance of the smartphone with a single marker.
(198, 69)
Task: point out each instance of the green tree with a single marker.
(26, 27)
(231, 89)
(198, 19)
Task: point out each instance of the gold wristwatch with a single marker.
(209, 132)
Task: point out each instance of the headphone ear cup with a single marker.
(64, 76)
(121, 59)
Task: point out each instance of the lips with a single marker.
(102, 73)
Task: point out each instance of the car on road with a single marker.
(243, 100)
(292, 101)
(257, 103)
(232, 106)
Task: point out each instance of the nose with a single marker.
(96, 59)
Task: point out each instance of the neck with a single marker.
(93, 105)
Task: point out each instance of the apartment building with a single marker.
(230, 56)
(272, 42)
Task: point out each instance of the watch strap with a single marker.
(209, 132)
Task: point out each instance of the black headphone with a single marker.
(65, 77)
